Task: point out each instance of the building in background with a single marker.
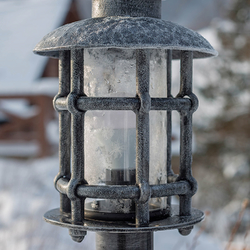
(28, 83)
(221, 164)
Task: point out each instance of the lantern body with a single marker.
(110, 136)
(115, 116)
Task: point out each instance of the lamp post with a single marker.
(115, 118)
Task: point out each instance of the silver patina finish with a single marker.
(125, 32)
(125, 241)
(121, 24)
(174, 221)
(133, 8)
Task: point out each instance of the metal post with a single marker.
(124, 241)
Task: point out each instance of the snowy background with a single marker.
(27, 192)
(221, 125)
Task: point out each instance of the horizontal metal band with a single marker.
(124, 192)
(124, 103)
(109, 192)
(62, 185)
(175, 188)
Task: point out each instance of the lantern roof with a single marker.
(125, 32)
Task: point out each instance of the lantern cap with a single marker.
(133, 8)
(125, 32)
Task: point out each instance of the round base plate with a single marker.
(103, 210)
(173, 222)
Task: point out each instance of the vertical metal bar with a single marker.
(186, 73)
(142, 135)
(169, 113)
(64, 126)
(77, 132)
(169, 120)
(169, 73)
(186, 130)
(186, 159)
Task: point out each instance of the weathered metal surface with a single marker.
(170, 189)
(124, 241)
(55, 217)
(142, 137)
(123, 103)
(77, 103)
(125, 32)
(77, 235)
(106, 210)
(124, 191)
(169, 114)
(77, 142)
(133, 8)
(186, 134)
(170, 172)
(64, 127)
(186, 230)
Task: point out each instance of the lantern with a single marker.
(115, 118)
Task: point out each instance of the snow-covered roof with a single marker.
(23, 24)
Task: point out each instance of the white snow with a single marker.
(235, 165)
(19, 149)
(23, 25)
(172, 240)
(225, 25)
(18, 107)
(27, 192)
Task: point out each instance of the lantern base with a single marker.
(103, 210)
(175, 221)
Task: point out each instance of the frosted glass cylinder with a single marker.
(110, 136)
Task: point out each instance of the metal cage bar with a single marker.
(142, 136)
(124, 192)
(77, 103)
(169, 122)
(169, 114)
(186, 131)
(64, 128)
(122, 103)
(77, 136)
